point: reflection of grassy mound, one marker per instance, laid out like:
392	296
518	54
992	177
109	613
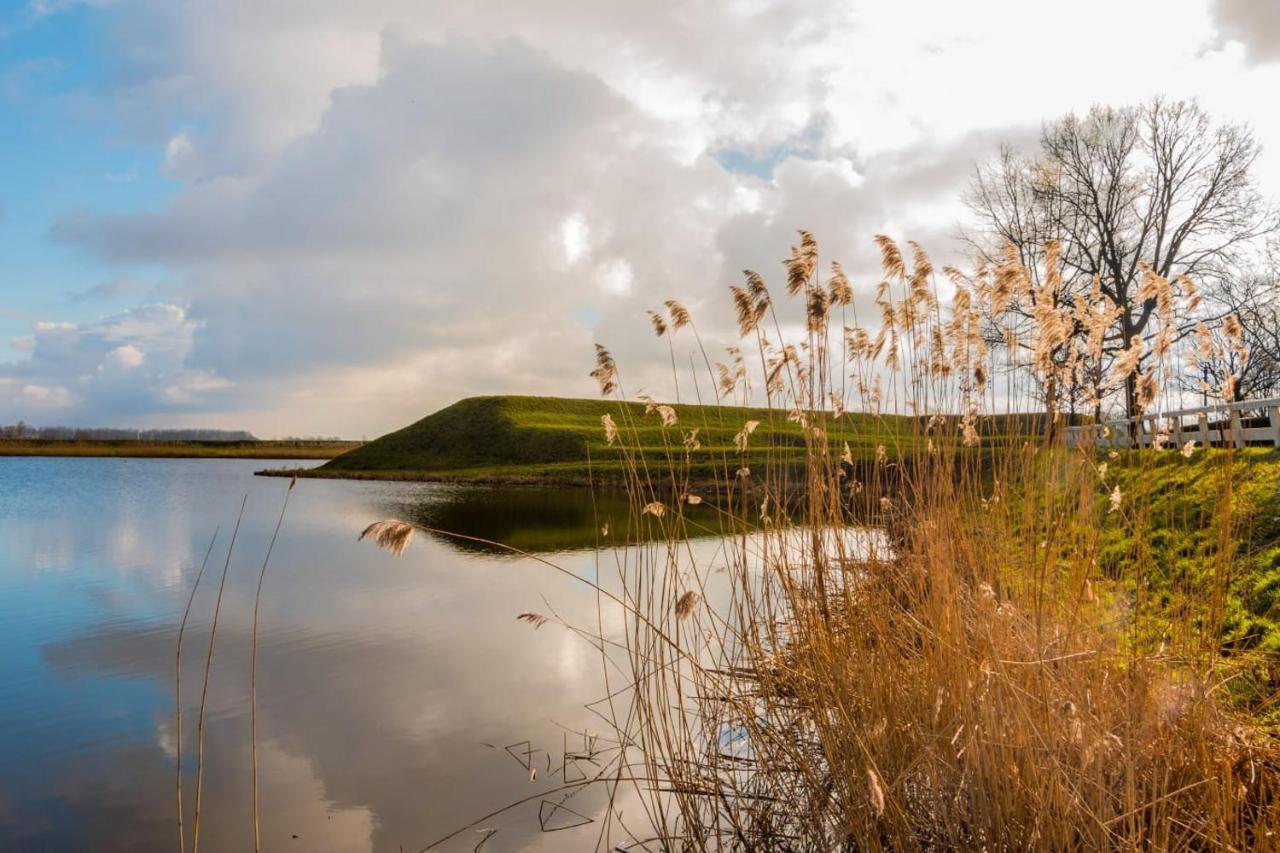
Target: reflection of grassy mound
535	519
555	439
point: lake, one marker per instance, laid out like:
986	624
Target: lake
389	688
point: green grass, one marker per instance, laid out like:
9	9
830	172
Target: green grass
1178	532
178	449
556	440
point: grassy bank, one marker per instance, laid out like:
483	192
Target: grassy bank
551	440
1202	523
179	449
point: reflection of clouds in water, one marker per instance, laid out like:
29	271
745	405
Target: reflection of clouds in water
50	550
167	738
105	513
290	784
384	677
575	660
381	679
387	727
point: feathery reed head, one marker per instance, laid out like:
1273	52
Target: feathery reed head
679	314
606	372
840	290
659	325
816	309
537	620
800	265
891	257
610	428
744	307
392	535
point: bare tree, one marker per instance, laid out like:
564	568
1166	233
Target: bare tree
1160	185
1249	369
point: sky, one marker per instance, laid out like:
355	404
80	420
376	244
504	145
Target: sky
331	218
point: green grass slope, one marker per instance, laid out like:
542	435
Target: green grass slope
1184	505
561	440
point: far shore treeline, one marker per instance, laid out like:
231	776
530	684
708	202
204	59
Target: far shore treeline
24	431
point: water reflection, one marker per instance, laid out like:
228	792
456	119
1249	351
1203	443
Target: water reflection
532	519
387	687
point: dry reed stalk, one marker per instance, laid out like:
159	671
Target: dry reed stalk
204	690
177	690
253	664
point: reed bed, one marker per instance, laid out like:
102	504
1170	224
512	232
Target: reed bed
941	647
977	678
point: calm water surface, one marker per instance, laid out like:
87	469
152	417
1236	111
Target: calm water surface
388	687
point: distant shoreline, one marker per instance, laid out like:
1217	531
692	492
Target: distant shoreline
575	477
300	449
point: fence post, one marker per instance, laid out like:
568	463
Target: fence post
1203	419
1275	425
1237	428
1177	432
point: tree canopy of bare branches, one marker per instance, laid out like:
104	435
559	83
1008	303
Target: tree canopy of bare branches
1159	187
1251	369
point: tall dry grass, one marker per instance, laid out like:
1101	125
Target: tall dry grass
963	674
969	681
960	674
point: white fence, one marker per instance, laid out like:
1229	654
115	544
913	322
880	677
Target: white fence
1238	424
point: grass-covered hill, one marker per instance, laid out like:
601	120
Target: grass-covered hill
551	439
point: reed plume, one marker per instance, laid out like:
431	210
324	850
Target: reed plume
390	534
606	371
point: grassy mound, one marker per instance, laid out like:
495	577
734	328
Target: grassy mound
558	439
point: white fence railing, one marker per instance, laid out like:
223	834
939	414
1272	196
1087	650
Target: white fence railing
1238	424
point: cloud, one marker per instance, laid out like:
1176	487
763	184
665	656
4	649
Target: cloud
44	396
114	288
685	65
472	219
116	369
1254	24
380	207
416	240
179	154
125	357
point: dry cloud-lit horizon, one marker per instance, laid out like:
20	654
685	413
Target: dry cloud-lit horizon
333	218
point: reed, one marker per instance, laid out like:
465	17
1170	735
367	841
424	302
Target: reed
253	666
208	671
177	691
954	644
983	675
